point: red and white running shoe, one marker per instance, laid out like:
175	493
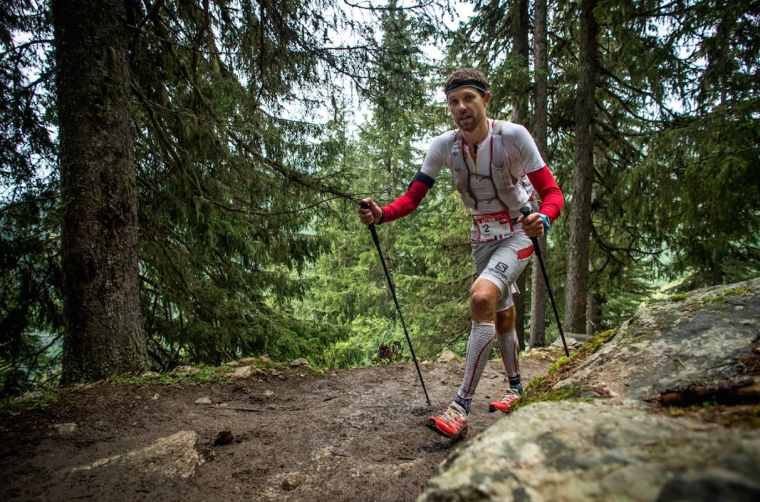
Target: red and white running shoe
452	423
505	404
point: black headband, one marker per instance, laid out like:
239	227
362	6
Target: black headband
479	86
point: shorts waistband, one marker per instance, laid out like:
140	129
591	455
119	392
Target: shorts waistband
495	215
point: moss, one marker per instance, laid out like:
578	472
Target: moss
205	374
678	297
540	394
34	401
726	293
540	388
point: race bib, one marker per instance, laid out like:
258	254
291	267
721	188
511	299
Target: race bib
491	227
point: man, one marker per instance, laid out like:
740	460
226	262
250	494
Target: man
489	161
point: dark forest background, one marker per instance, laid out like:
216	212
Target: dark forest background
179	178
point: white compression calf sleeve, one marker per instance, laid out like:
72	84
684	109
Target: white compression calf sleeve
509	346
478	349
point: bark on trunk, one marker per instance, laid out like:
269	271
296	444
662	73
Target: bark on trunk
520	55
593	313
580	213
104	332
538	291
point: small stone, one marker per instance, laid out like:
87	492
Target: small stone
203	400
268	394
242	372
185	370
448	356
265	359
299	363
155	397
150	374
292	481
248	361
302	375
65	428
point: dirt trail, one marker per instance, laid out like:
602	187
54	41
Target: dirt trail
348	435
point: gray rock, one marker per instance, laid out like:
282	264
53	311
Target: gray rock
242	372
65	428
292	480
203	400
174	456
299	363
617	448
577	451
675	345
447	356
185	370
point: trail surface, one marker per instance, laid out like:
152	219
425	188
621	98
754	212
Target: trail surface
348	435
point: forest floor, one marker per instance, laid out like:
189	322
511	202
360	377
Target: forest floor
293	434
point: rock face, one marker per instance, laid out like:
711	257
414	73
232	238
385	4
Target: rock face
704	346
702	341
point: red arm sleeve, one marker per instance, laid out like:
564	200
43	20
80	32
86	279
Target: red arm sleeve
409	201
552	199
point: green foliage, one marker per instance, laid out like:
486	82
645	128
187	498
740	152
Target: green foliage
198	375
37	400
248	170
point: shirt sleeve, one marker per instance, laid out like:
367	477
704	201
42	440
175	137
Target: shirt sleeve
435	159
437	155
552	199
530	157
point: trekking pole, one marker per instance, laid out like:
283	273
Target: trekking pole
373	231
525	212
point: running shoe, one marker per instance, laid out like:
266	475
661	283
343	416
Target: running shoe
505	404
452	423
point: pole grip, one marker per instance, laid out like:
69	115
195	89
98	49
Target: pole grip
525	210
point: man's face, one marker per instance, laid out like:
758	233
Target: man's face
468	107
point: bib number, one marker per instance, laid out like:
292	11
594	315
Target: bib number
491	227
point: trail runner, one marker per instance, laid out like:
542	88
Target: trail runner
489	160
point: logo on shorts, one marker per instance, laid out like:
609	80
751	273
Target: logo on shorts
501	268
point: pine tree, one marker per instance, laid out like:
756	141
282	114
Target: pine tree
104	332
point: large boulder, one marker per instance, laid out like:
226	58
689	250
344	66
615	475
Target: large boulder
579	451
704	345
701	342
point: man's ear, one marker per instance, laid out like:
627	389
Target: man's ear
487	97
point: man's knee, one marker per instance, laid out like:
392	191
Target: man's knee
483	299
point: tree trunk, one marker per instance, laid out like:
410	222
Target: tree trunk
593	313
104	332
583	177
520	55
540	61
